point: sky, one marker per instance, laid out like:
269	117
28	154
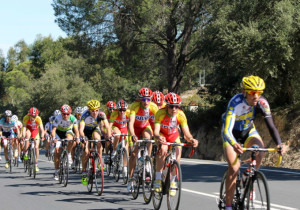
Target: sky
24	20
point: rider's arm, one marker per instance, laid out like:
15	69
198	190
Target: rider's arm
24	131
53	132
108	128
131	123
81	128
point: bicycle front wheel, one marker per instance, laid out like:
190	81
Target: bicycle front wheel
99	175
10	159
174	192
222	194
65	169
108	162
147	180
257	195
90	175
33	158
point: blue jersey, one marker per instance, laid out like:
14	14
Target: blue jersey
7	126
89	122
240	115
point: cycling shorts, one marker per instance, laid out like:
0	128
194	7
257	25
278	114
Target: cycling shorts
90	133
123	131
171	138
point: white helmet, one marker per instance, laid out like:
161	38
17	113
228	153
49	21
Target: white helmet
7	113
56	112
78	110
85	108
14	118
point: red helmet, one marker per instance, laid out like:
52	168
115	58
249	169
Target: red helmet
111	105
173	99
145	93
158	97
122	104
66	109
33	111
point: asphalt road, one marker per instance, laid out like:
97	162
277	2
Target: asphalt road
201	182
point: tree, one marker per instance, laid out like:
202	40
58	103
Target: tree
170	26
258	37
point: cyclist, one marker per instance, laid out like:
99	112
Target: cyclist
89	127
118	122
63	129
110	107
139	126
238	124
166	130
159	99
19	144
48	128
78	113
7	126
32	125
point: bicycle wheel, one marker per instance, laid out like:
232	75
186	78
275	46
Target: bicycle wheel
90	175
222	194
136	186
33	158
25	165
147	180
257	193
124	169
10	159
99	175
157	199
116	167
30	164
174	192
65	169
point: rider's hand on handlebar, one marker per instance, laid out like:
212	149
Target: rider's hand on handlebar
238	148
134	138
281	149
160	139
194	142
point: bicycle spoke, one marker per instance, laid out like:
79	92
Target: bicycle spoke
174	192
147	180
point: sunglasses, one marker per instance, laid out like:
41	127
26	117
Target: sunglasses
145	99
65	114
122	110
94	110
252	92
173	106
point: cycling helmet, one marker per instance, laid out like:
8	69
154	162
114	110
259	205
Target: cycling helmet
56	113
33	111
85	108
66	109
122	104
93	104
7	113
253	83
14	118
158	97
111	105
145	93
78	110
173	99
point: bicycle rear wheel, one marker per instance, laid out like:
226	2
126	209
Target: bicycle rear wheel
124	158
147	180
33	158
257	196
65	169
136	186
90	175
174	192
99	175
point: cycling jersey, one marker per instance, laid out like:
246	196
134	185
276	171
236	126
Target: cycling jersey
8	128
120	121
169	124
91	123
65	125
18	125
107	114
32	125
240	115
143	115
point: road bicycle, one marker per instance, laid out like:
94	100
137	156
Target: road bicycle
63	173
77	158
120	161
251	191
29	164
95	168
10	152
171	170
144	172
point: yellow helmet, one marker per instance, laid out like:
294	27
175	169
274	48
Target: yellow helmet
93	104
253	83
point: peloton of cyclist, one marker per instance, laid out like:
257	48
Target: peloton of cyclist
32	125
166	130
238	124
139	126
7	126
63	126
118	122
89	127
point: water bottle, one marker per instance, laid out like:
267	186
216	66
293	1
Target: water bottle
140	162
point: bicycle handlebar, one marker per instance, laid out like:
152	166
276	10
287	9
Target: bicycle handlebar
145	141
174	144
254	149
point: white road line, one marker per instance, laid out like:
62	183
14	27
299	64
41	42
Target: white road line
216	196
224	164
